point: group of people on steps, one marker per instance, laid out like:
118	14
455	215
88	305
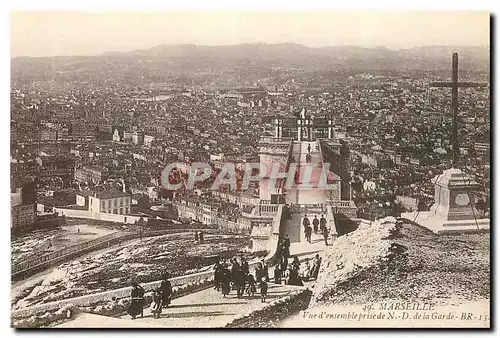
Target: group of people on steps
317	224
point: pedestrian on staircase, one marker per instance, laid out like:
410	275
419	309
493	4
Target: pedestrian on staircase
308	231
322	223
259	271
277	274
305	222
324	231
286	247
265	271
315	224
263	290
284	265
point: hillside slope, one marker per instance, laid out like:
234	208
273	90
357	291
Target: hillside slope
405	262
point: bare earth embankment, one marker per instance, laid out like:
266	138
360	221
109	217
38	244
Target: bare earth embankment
385	264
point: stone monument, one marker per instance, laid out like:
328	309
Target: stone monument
454	209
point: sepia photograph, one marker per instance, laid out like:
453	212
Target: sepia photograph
250	169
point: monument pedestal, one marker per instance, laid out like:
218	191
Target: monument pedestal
454	209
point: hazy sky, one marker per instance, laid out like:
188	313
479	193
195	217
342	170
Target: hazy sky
86	33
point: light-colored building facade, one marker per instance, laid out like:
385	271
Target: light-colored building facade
111	202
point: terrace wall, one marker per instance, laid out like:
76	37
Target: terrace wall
98	216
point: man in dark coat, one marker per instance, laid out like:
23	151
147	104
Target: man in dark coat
308	231
324	231
322	223
238	278
218	275
306	223
244	267
166	291
286	246
315	224
225	280
277	274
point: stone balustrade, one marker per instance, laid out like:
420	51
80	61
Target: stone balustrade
267	209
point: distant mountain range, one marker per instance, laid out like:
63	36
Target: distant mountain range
293	50
245	57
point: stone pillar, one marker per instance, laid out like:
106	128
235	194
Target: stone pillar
329	128
277	128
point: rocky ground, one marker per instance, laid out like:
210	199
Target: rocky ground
145	261
404	262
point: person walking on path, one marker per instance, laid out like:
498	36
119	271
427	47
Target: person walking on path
263	290
136	306
315	224
325	235
284	265
309	148
277	274
316	266
280	249
286	247
156	304
251	289
225	280
238	278
245	268
259	271
265	271
166	291
308	231
217	275
305	223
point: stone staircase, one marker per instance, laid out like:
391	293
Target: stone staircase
294	227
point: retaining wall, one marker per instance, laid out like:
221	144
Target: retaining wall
129	219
